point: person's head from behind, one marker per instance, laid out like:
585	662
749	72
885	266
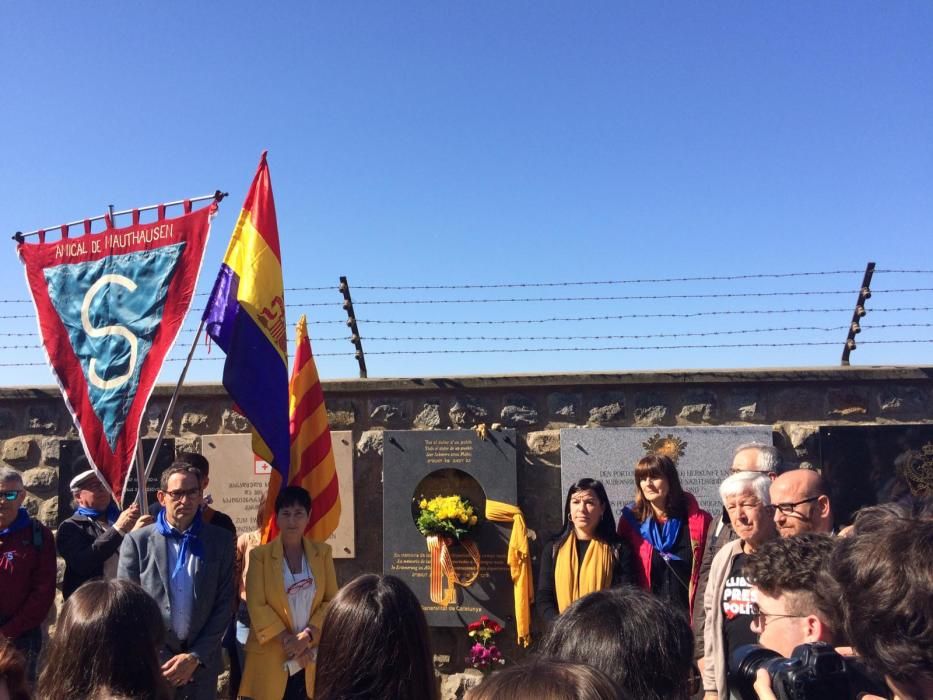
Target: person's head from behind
292	511
549	679
587	511
793	606
746	498
800	503
375	644
106	641
886	579
756	457
12	672
199	462
644	645
657	488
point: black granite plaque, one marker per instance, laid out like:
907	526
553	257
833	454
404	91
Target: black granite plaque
71	450
432	463
873	464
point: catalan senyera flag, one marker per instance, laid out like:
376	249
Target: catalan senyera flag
245	316
312	455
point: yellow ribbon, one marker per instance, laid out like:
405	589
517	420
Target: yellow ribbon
519	559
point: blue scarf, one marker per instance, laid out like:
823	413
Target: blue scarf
112	512
21	521
189	539
661	538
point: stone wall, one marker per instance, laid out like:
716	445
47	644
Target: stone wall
794	402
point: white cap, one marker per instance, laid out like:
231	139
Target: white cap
81	478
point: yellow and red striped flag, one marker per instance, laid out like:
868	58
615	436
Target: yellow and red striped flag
312	455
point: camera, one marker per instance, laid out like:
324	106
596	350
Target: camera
813	671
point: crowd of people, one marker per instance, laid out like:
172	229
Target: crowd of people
659	604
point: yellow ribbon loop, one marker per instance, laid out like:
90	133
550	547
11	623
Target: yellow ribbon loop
519	559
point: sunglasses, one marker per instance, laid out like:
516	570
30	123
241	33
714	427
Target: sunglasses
10	495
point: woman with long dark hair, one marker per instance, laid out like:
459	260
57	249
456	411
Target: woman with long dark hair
668	529
375	644
586	555
106	644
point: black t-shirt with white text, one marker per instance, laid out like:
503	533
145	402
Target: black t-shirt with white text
737	599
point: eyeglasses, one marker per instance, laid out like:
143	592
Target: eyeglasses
300	585
788	508
760	617
10	495
182	493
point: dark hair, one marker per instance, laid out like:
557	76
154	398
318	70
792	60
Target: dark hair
193	459
178	467
606	529
795	566
886	578
540	679
653	465
293	496
643	644
375	644
13	670
107	641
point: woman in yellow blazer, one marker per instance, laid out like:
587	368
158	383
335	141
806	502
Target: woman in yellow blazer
289	583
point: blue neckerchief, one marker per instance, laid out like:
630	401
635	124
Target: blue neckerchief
189	539
662	539
112	512
19	522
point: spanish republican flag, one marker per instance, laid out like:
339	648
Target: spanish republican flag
312	462
245	316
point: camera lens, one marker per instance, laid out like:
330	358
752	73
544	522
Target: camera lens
746	660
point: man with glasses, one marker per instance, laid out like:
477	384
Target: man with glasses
27	570
794	598
89	541
800	503
186	565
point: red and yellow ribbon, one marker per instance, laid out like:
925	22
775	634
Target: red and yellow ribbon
442	567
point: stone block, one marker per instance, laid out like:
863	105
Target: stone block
341	415
40	479
805	439
389	413
649	410
744	406
429	417
16	450
519	411
187	444
544	443
49	450
41	418
454	686
31	504
900	400
467	411
370	441
607	409
155	412
195	420
563	407
699	407
233	422
47	513
846	403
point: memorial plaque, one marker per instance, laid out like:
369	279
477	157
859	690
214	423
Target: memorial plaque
239	480
71	450
871	464
703	456
432	463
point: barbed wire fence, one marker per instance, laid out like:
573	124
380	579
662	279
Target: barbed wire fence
726	313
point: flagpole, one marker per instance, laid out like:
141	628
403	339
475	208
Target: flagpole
142	495
171	405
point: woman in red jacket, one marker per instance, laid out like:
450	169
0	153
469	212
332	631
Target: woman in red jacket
667	528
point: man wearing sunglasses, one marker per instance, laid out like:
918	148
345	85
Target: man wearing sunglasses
186	565
800	503
27	570
89	541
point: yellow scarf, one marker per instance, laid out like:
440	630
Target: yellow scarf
595	573
519	565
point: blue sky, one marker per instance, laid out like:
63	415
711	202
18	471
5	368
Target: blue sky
442	143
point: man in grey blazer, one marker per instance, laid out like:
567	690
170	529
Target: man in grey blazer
186	565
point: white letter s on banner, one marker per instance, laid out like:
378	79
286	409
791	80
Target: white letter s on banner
93	332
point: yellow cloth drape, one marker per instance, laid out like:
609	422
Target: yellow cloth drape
519	559
595	572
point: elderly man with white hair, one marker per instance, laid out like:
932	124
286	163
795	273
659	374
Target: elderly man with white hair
89	541
729	598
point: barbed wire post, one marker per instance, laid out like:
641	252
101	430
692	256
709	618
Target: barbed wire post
864	295
351	322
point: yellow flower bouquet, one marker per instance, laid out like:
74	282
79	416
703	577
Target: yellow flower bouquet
446	516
